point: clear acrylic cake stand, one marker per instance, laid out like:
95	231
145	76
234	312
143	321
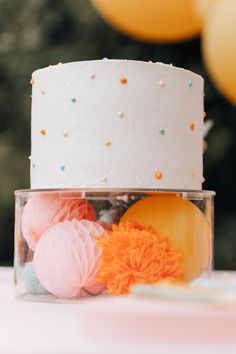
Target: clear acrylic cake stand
190	213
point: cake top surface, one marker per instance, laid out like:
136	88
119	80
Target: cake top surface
105	61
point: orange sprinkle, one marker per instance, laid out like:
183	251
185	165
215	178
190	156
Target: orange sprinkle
204	115
192	126
205	145
43	131
158	175
123	80
32	81
42	92
134	254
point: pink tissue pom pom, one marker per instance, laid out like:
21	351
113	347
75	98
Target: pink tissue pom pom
45	210
66	259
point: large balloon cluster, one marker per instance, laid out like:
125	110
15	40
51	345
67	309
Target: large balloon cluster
167	21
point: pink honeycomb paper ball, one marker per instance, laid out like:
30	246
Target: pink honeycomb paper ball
45	210
66	259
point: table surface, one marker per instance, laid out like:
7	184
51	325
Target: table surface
32	327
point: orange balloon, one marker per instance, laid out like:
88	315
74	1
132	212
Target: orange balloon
152	20
203	7
219	46
183	223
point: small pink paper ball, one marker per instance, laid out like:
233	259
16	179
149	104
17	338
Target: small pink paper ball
45	210
66	259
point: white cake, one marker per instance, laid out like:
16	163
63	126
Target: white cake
116	124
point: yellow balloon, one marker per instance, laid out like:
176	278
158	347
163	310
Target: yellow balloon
203	7
152	20
183	223
219	47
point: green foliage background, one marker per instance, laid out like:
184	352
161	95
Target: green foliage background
36	33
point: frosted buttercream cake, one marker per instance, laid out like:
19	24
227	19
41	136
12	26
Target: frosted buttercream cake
116	124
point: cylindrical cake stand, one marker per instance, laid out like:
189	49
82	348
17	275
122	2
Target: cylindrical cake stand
75	243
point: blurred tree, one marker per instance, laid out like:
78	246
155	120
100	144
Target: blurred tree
34	34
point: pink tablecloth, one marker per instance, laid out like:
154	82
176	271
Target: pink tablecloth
31	327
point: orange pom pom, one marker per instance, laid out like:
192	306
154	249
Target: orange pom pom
135	254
